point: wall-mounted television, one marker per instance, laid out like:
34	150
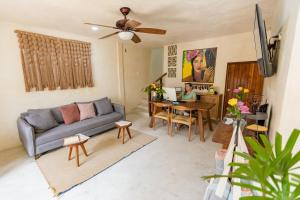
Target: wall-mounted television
266	53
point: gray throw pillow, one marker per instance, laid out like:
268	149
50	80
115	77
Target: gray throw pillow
57	115
103	106
55	112
41	120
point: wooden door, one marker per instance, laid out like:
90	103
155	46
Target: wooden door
245	74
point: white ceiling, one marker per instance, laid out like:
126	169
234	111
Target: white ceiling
184	20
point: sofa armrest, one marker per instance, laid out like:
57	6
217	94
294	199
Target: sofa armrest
120	109
27	137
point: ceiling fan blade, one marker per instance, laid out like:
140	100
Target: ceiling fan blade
151	30
132	24
101	25
106	36
136	39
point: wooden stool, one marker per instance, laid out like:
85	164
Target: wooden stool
76	141
122	125
257	129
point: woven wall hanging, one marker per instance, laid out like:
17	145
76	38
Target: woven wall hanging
54	63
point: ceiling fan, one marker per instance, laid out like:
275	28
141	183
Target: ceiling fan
127	28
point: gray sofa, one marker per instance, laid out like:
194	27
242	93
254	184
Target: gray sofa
36	143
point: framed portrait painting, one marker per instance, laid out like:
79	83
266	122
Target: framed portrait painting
199	65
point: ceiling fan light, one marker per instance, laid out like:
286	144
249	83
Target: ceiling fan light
125	35
95	28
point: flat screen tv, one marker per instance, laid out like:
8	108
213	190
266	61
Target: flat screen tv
261	44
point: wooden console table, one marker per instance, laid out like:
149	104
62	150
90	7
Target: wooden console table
215	112
223	134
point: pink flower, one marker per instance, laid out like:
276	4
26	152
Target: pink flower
193	53
240	103
236	90
244	109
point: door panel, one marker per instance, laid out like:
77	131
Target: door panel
245	74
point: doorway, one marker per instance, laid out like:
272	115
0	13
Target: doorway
156	63
244	74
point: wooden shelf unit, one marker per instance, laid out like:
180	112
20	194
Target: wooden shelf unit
215	112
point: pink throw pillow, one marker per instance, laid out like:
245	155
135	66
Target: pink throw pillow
70	113
86	110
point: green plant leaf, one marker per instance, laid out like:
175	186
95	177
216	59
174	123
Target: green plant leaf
214	176
260	152
267	145
278	143
256	198
292	140
252	187
295	159
296	192
285	187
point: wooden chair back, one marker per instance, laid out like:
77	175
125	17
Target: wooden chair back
183	108
158	105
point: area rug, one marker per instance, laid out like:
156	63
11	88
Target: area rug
103	151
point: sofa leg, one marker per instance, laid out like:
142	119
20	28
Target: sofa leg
37	156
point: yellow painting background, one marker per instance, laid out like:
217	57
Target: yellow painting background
187	65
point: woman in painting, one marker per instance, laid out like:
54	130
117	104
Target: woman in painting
201	72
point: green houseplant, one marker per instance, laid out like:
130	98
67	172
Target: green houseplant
273	168
159	91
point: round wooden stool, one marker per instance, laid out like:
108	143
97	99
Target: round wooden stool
257	129
75	142
122	125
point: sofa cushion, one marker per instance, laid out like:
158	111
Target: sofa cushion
64	130
70	113
103	106
42	120
57	114
86	110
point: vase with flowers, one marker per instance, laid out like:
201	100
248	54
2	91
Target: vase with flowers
237	108
157	89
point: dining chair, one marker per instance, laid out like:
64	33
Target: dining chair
161	111
182	119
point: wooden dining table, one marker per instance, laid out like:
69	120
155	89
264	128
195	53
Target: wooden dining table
196	106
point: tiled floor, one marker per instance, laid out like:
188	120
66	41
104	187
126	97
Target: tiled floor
170	168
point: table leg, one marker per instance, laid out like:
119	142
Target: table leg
123	135
152	118
151	122
70	152
209	120
77	155
128	131
200	126
119	133
83	149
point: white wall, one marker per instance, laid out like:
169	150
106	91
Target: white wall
15	100
231	48
156	63
136	74
282	90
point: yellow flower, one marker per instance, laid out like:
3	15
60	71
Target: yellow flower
241	88
232	101
246	90
153	85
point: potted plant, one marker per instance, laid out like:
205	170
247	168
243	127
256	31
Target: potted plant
157	89
270	173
